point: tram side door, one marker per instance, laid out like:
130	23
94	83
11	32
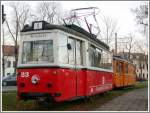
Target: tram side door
80	77
121	79
71	80
75	58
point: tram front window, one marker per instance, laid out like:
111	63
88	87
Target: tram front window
37	51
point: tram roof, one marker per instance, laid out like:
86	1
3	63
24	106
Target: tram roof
121	59
72	29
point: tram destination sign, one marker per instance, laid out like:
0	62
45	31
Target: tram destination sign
38	25
39	35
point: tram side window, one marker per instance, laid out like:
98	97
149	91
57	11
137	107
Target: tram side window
97	58
71	51
98	55
92	56
67	54
126	68
26	55
79	52
119	70
62	50
106	60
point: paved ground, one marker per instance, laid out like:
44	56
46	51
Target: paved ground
8	88
136	100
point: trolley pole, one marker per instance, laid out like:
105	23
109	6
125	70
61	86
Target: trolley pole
115	43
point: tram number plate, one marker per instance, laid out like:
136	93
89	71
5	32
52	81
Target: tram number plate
24	74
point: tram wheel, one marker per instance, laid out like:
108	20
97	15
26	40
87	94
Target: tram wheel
47	102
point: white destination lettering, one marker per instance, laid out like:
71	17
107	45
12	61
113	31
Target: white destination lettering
38	35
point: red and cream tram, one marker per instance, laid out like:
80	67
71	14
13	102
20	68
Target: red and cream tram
62	62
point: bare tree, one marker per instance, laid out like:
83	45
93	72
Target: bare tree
50	12
129	45
141	47
19	17
109	28
141	16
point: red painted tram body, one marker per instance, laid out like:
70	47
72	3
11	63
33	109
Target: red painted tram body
62	63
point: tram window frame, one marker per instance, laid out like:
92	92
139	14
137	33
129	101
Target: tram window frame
91	51
99	57
106	60
75	50
79	52
63	57
50	58
119	68
95	56
71	52
127	70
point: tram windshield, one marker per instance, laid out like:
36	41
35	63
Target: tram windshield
37	51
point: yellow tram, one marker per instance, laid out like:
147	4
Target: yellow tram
124	73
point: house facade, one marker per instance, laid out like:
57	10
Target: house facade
8	59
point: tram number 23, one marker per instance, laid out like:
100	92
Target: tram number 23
24	74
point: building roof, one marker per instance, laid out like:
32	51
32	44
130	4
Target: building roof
134	56
8	50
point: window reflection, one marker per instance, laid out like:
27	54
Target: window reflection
37	51
78	52
71	51
99	58
91	55
62	50
67	56
106	60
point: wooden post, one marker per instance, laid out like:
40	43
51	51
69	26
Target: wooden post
115	43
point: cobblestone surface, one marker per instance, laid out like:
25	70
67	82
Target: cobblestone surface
136	100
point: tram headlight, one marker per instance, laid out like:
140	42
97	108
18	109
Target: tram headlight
34	79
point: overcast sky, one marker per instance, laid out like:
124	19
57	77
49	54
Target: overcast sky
119	10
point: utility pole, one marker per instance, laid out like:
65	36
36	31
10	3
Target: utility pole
115	43
3	14
3	20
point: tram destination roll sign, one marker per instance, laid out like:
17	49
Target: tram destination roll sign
41	35
38	25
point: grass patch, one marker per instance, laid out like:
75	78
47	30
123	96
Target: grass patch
141	85
9	102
